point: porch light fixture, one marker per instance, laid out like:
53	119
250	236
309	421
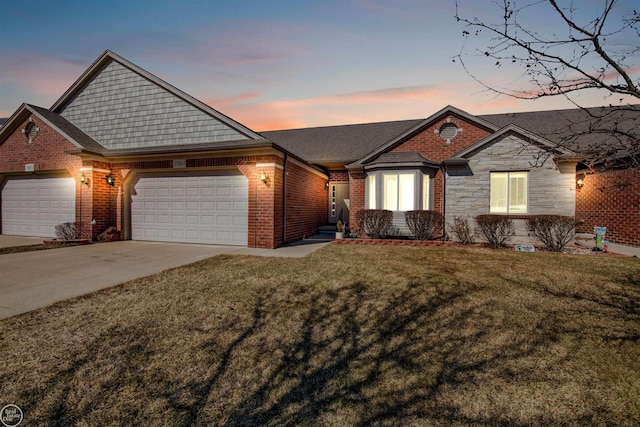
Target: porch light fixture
580	181
326	185
263	177
84	180
111	180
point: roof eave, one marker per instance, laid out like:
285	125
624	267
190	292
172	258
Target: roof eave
455	161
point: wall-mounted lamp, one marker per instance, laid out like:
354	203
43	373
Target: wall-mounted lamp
111	180
580	180
264	177
84	180
326	185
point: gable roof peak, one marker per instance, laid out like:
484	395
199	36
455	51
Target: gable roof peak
109	56
522	133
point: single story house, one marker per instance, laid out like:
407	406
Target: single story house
123	148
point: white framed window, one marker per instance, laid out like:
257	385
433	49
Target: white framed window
371	192
426	192
508	192
398	190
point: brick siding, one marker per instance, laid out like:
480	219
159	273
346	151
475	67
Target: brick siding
46	152
611	199
307	202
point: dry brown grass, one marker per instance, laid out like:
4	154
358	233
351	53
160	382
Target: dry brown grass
25	248
351	335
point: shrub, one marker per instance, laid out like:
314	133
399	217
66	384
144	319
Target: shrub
554	231
495	229
68	231
461	230
423	224
376	223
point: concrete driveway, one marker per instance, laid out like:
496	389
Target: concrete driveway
32	280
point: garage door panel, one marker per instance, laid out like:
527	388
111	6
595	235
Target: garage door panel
34	206
198	209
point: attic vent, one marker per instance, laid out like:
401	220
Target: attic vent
448	131
30	130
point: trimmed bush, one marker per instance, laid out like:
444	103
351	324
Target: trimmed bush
495	229
424	224
462	230
554	231
376	223
68	231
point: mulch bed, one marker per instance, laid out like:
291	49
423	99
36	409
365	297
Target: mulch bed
571	250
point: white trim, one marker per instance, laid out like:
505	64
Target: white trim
269	165
92	169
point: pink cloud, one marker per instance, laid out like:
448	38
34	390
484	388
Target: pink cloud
356	107
35	78
43	74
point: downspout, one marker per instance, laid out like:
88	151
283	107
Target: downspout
444	201
284	199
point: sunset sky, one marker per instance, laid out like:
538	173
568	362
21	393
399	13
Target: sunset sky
269	64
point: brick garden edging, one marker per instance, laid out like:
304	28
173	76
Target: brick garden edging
398	242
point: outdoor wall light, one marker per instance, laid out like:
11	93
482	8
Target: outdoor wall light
111	180
263	177
84	180
326	185
580	183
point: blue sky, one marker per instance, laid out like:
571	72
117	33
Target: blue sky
268	64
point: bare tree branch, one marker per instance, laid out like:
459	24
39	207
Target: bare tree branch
601	51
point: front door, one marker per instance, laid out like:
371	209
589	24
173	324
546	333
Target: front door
339	202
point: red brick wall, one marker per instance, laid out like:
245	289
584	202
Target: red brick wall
431	146
307	202
47	154
357	194
339	176
611	199
46	151
104	199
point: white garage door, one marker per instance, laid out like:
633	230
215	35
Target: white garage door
34	206
209	209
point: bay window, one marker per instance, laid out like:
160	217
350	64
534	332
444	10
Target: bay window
398	190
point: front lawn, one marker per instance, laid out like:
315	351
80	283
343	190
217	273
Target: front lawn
350	335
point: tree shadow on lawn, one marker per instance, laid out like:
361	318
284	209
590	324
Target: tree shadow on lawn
351	363
434	353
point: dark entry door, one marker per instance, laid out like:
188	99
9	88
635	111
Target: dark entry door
339	202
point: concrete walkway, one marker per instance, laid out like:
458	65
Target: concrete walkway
32	280
588	241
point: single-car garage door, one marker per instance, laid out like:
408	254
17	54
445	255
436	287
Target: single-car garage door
34	206
209	209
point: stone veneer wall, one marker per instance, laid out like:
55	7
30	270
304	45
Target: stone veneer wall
552	187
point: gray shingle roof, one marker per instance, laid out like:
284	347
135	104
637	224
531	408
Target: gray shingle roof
338	144
69	130
412	158
581	130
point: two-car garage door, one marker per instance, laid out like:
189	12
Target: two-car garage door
209	209
33	206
